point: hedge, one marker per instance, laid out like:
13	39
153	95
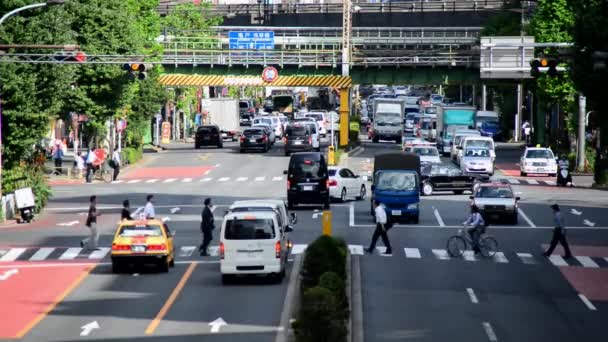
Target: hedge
324	305
131	155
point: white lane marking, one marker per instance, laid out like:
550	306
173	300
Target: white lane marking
133	181
13	254
526	258
469	256
587	261
316	215
68	224
558	260
441	254
214	250
532	181
208	179
382	250
298	249
70	253
154	180
170	180
550	182
186	251
513	181
100	253
224	179
242	179
526	218
412	253
186	180
489	331
438	217
278	178
500	257
356	249
351	214
472	295
260	179
587	302
113	182
42	254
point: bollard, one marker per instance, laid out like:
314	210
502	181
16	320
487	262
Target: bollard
326	222
331	156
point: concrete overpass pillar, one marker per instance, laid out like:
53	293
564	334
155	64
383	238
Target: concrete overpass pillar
484	95
474	96
461	94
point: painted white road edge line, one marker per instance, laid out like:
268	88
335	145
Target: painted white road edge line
438	217
472	296
489	331
587	302
526	218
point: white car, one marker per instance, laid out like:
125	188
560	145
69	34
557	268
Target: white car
253	243
428	153
344	184
273	121
496	201
476	141
477	160
322	122
457	138
538	160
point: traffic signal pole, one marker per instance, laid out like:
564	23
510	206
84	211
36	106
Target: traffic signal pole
580	155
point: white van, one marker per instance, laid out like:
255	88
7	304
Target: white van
457	137
475	141
276	205
253	243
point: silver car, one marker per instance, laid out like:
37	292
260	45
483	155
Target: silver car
496	201
477	160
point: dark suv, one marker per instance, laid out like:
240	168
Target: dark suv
298	137
255	138
307	179
208	135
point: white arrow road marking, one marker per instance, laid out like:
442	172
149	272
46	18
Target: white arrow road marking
87	328
68	224
589	223
576	212
186	251
217	324
174	210
8	274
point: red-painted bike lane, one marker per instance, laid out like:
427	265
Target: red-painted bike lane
28	294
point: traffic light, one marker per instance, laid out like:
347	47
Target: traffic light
535	64
142	68
552	72
548	64
71	56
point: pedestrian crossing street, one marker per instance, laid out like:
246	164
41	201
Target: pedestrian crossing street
243	179
76	253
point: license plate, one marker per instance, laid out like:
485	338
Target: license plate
252	140
298	143
206	138
396	212
224	135
540	169
138	249
307	187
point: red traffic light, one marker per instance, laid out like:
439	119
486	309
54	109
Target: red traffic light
80	57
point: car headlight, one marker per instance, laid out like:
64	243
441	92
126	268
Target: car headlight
413	206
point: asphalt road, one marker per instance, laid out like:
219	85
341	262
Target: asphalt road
415	294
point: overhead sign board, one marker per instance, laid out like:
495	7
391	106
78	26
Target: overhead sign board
251	40
506	57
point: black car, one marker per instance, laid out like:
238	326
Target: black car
245	120
447	177
298	137
307	179
208	135
255	138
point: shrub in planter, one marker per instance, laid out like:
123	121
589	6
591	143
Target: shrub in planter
333	282
320	318
131	155
325	254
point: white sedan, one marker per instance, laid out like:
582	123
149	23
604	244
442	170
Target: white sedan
538	161
344	184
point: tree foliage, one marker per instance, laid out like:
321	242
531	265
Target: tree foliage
190	19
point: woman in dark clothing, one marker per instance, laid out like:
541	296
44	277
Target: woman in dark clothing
126	211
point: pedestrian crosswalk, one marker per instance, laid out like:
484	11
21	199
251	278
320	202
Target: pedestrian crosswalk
240	179
38	254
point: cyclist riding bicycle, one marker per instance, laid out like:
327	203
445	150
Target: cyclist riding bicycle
477	227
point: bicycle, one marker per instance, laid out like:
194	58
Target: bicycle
460	242
103	172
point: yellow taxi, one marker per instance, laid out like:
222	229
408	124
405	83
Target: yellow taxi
143	242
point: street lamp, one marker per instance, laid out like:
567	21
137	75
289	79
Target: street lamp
2	20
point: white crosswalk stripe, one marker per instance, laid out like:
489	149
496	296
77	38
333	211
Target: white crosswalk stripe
557	260
526	258
298	249
99	254
152	180
242	179
13	254
169	180
441	254
133	181
356	249
224	179
500	257
42	254
186	180
277	178
118	181
259	179
382	250
186	251
469	256
513	181
587	261
70	253
412	253
208	179
532	181
550	182
214	250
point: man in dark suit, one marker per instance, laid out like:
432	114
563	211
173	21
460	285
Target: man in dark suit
207	226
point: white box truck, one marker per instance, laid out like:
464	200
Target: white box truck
223	112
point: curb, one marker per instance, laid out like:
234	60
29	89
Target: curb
355	301
291	304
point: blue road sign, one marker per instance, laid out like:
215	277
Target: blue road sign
251	40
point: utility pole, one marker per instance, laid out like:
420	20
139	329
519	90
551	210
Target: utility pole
580	155
347	29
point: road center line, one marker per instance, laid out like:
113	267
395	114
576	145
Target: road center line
472	296
438	217
526	218
489	331
587	302
163	311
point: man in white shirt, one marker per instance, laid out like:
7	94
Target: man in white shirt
91	159
381	229
149	212
116	164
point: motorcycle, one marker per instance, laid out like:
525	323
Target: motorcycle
25	202
564	178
